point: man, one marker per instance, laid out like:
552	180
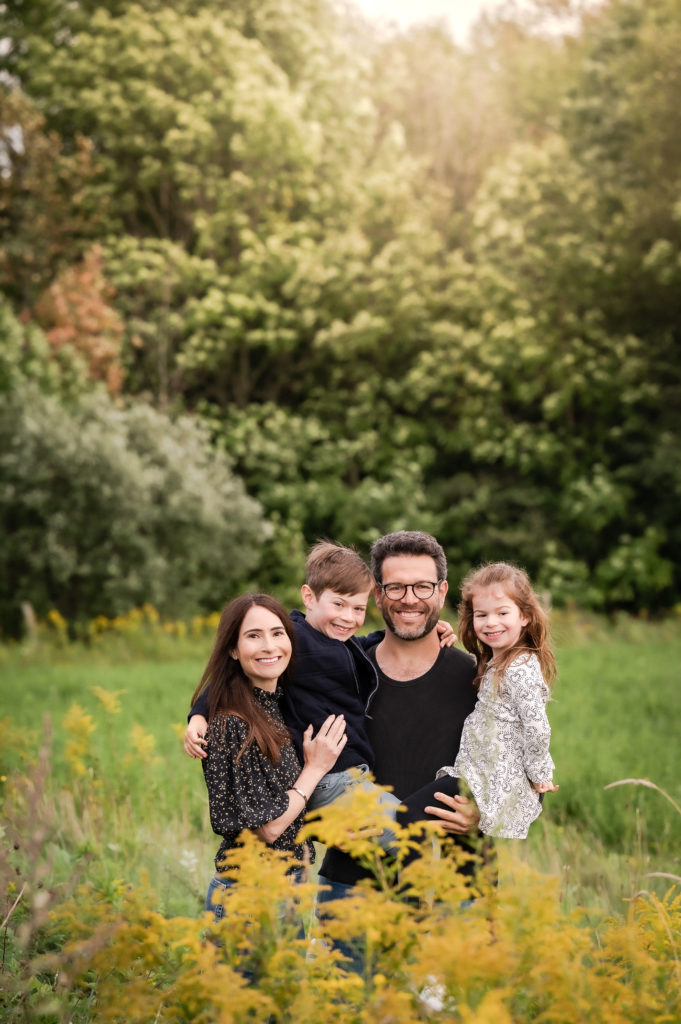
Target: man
424	695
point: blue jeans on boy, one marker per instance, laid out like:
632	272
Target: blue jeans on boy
217	890
335	784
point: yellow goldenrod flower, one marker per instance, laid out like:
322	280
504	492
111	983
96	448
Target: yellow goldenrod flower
108	699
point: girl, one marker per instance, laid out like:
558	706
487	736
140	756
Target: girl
252	771
504	753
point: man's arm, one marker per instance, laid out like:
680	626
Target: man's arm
457	814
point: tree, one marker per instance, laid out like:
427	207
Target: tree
75	312
544	407
404	283
51	204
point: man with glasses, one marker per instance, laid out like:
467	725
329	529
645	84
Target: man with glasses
424	695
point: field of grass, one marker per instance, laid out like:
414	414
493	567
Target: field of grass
128	803
96	790
615	716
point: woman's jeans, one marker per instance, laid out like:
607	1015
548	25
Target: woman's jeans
353	952
217	890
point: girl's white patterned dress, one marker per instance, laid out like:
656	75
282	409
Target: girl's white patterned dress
505	747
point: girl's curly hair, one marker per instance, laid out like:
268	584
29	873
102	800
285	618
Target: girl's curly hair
534	637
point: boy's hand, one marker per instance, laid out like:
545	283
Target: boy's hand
446	634
544	787
194	736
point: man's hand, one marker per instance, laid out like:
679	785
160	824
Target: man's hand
445	634
194	736
460	815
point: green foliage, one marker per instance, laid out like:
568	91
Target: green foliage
424	286
156	282
198	129
315	484
26	355
104	507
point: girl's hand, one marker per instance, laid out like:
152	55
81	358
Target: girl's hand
194	736
544	787
322	751
446	634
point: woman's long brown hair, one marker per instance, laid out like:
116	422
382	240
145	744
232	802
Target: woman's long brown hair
534	637
229	689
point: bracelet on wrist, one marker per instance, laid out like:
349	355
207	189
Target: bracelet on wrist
300	793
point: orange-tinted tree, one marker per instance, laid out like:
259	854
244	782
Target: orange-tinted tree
75	311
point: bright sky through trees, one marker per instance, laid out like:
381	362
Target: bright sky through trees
459	14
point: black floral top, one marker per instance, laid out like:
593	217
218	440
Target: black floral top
248	792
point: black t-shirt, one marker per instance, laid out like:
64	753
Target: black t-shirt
415	728
415	725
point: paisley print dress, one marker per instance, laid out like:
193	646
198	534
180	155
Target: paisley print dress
505	747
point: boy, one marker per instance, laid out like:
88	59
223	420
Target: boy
332	675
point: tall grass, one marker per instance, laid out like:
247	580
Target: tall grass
96	790
615	715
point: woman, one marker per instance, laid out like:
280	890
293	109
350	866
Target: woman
252	771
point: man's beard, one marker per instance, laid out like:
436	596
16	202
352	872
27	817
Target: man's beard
411	633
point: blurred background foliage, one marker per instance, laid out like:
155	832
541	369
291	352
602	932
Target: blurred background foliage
270	273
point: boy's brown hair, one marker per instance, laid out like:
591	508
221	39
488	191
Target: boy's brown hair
335	567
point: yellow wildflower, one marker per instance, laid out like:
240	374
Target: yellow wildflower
108	698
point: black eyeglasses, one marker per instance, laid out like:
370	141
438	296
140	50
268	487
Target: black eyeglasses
422	590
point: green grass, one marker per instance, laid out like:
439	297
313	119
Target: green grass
136	809
134	812
617	715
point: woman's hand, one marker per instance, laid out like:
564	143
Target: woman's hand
320	756
194	736
321	753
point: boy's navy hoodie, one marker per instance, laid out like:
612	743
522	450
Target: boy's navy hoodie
329	677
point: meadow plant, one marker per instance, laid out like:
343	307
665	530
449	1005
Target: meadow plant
513	955
139	633
79	727
105	853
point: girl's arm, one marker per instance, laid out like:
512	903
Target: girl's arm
529	693
321	754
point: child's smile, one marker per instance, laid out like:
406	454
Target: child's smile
497	620
338	616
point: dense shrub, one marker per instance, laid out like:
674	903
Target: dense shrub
104	507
